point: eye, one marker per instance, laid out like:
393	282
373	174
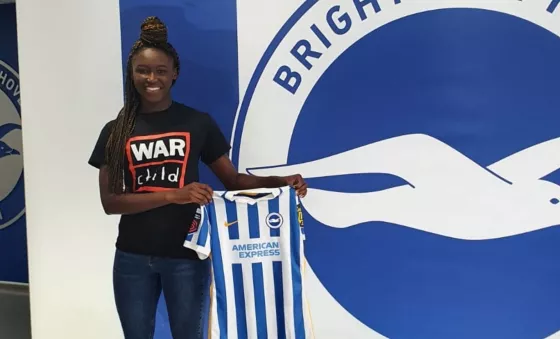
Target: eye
554	201
162	71
141	70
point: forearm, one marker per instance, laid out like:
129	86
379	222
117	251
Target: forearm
245	182
133	203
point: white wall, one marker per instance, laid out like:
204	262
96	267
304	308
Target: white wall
70	62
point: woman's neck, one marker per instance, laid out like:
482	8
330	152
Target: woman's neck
146	108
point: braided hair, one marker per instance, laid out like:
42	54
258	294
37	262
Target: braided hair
153	35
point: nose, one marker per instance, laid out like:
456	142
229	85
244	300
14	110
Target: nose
151	77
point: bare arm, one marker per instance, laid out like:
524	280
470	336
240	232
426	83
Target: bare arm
133	203
128	203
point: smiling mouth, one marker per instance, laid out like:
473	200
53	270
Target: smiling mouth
152	89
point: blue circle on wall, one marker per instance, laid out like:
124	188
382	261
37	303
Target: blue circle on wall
486	84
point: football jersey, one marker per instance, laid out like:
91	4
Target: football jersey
255	240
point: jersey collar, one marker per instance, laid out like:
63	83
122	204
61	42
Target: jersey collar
272	194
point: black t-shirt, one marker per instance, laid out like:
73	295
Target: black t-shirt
163	152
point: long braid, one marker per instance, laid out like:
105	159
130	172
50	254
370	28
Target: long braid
153	35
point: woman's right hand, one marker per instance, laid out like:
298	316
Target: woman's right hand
192	193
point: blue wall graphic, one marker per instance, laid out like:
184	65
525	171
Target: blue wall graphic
485	96
478	86
13	242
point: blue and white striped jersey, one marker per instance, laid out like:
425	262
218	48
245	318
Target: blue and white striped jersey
255	239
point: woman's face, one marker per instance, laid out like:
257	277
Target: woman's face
153	73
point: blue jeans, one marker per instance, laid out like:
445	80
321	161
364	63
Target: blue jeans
138	281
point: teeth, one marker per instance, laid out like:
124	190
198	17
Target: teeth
152	89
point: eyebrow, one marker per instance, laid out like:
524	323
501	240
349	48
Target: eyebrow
145	65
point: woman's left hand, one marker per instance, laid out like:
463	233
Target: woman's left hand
297	182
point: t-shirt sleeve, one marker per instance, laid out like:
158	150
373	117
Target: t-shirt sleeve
198	237
97	157
215	143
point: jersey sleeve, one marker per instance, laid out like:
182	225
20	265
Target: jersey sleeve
198	237
215	143
97	157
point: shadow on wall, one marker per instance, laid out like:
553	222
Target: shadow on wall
15	320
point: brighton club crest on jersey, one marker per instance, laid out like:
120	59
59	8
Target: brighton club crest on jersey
428	135
11	158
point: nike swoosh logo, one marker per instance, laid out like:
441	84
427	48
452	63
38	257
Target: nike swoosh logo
228	224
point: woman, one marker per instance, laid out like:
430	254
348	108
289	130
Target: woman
148	160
